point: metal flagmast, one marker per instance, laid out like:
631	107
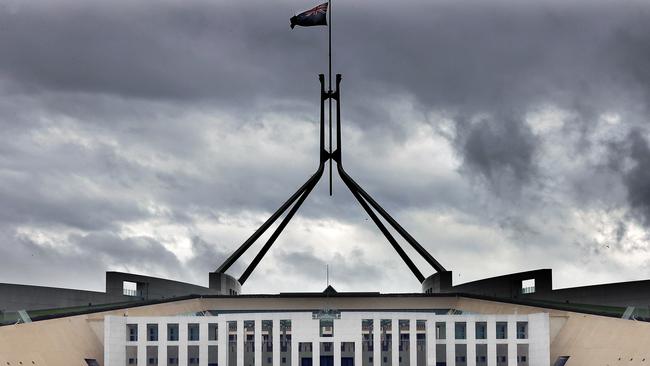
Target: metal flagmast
291	206
329	31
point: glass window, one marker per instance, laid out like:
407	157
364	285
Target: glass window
326	328
172	332
522	330
528	286
461	354
213	331
132	332
461	330
152	332
481	355
502	355
502	330
440	330
481	330
193	332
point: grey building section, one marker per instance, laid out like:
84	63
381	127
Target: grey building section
25	297
513	286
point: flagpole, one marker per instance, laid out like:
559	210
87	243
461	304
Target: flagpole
329	31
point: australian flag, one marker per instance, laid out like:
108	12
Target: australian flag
311	17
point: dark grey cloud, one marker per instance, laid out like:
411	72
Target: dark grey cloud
501	150
170	131
637	178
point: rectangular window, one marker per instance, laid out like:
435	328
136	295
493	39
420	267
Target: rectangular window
386	337
129	288
213	355
193	355
172	355
522	330
326	327
132	332
421	339
285	341
152	355
267	341
461	354
172	332
481	355
131	355
152	332
502	355
367	340
213	331
481	330
502	330
441	353
461	330
232	344
441	330
522	355
528	286
193	332
249	342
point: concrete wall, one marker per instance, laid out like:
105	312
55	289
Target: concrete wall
17	297
25	297
151	288
622	294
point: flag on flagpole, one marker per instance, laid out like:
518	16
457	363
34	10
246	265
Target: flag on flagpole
311	17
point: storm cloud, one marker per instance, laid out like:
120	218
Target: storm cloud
154	137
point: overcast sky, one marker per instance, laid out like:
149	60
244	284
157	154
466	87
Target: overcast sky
155	136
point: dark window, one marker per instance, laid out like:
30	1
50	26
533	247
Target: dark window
90	362
502	330
284	360
192	332
561	361
460	330
481	330
522	330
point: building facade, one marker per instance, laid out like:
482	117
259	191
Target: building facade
328	338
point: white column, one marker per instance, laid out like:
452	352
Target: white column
376	342
142	342
182	341
471	341
114	340
295	352
492	339
450	341
240	342
413	341
512	340
431	341
276	342
203	344
315	351
258	342
222	342
538	339
395	341
162	342
358	351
